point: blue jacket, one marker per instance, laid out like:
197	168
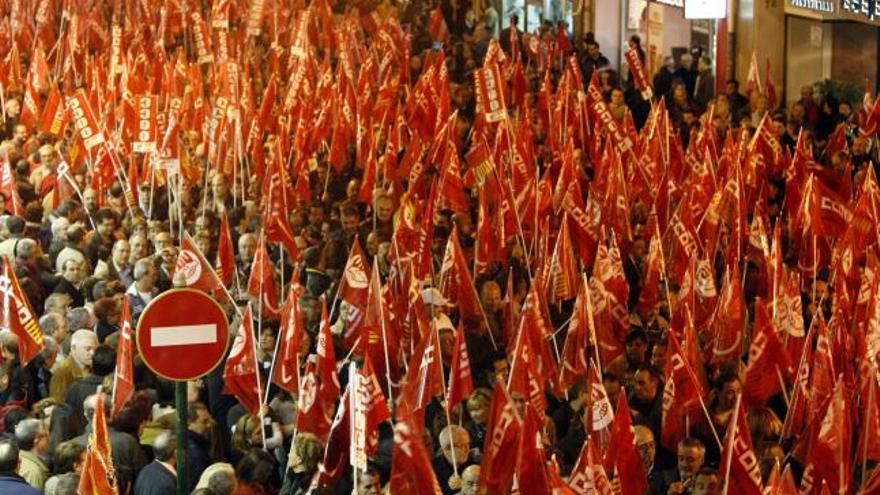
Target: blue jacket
13	484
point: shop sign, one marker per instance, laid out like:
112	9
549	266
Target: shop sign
671	3
824	6
705	9
865	9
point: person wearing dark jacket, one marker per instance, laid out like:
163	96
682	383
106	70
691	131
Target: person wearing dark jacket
10	482
71	276
160	476
198	446
103	364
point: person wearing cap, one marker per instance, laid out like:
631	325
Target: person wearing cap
625	365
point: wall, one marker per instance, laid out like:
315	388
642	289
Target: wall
808	46
760	28
606	26
854	52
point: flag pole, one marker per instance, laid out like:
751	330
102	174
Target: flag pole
384	336
734	422
448	416
871	388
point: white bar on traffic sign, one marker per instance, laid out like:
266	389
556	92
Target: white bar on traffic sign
183	335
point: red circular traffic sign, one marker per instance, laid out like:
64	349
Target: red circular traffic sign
182	334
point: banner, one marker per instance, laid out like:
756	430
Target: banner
84	121
145	134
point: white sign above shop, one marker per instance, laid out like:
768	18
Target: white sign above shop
705	9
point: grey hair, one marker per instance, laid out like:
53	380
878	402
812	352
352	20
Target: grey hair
222	481
52	300
142	267
163	446
26	432
91	403
447	432
49	347
50	322
78	318
68	484
25	248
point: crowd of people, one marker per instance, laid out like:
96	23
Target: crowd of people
455	258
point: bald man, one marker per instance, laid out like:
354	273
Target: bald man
76	366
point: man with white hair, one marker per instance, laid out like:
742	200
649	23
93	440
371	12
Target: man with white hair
143	289
76	366
33	442
455	443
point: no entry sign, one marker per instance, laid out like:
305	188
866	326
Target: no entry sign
182	334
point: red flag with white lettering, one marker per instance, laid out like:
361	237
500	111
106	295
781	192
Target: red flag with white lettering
500	447
623	454
738	457
18	317
240	373
461	383
767	360
123	379
531	466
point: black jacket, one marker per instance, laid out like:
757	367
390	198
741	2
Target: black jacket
155	479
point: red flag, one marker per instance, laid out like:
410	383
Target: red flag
767	360
326	354
437	26
730	319
9	189
588	474
354	290
623	453
53	115
240	373
829	459
738	457
30	105
680	390
563	266
781	482
574	361
261	284
461	383
371	405
411	469
98	477
18	316
196	269
225	253
455	281
338	446
753	79
490	93
123	379
286	371
531	466
500	448
424	379
275	210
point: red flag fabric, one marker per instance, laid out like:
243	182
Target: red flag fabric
240	373
738	457
53	114
767	360
18	316
829	459
531	466
411	469
455	280
588	474
261	284
437	26
9	189
338	445
326	358
500	448
98	476
680	390
286	369
574	361
354	290
424	379
730	319
225	253
197	272
371	404
461	383
623	453
123	380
